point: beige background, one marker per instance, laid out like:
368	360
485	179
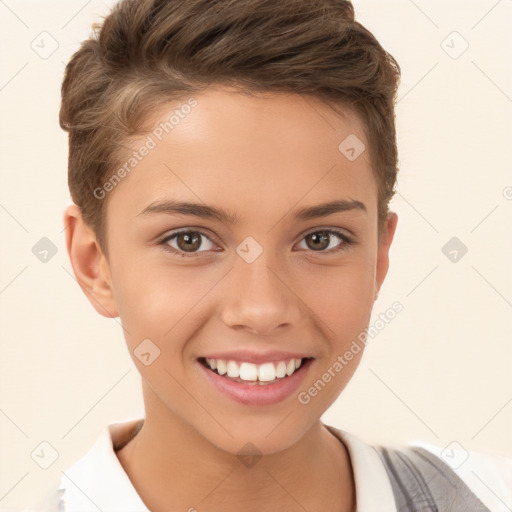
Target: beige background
439	372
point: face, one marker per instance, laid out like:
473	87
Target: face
273	280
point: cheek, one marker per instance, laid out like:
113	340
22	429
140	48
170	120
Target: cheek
341	296
160	302
342	300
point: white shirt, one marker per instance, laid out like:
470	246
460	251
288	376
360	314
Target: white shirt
98	481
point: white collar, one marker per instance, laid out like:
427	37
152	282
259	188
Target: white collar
373	488
98	481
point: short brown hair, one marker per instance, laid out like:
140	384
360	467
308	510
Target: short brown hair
149	52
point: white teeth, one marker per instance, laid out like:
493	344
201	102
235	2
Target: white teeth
221	366
233	369
248	371
265	372
281	369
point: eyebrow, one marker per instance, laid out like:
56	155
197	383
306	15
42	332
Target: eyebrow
172	207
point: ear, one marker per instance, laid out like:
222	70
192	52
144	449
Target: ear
89	264
383	251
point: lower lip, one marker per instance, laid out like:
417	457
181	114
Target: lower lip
257	394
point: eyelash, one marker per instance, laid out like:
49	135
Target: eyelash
343	247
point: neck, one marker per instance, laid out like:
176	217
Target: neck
170	462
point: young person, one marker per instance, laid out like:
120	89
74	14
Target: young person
231	164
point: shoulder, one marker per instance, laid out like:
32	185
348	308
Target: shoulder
488	475
97	480
425	475
451	476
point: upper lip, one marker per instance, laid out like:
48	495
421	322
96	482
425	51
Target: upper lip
256	357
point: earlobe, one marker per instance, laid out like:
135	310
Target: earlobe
89	264
383	251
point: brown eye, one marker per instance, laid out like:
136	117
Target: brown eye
190	241
318	240
187	243
322	241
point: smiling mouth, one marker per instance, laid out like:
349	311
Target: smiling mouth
248	373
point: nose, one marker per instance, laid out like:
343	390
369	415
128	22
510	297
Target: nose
259	299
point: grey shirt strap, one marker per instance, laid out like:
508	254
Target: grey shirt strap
422	482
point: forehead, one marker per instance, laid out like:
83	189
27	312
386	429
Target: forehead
258	150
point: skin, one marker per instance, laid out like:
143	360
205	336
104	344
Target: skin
260	158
